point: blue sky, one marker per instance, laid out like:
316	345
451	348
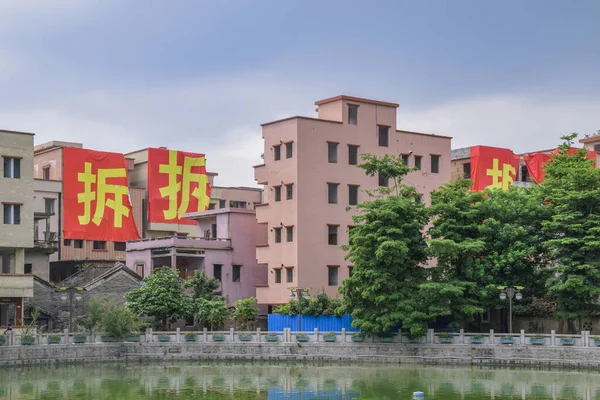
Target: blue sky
202	75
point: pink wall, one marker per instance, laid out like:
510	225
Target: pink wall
310	171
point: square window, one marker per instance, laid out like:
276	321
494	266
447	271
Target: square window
333	275
332	152
435	164
353	195
217	271
277	152
405	159
78	244
289	275
383	180
120	246
139	268
212	206
67	242
28	268
418	162
383	135
352	154
12	167
46	173
289	149
352	114
332	231
467	170
277	235
278	275
236	275
12	214
49	205
289	191
222	203
99	245
277	190
289	233
332	193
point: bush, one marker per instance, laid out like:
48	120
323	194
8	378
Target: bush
119	321
191	334
244	312
445	335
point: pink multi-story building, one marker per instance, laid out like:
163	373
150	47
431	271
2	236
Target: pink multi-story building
310	178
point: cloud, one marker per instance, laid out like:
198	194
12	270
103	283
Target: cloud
521	122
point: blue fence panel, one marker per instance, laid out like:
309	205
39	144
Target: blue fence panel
305	323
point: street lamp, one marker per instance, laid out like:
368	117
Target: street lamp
70	293
510	292
299	293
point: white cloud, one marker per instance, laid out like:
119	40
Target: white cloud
520	122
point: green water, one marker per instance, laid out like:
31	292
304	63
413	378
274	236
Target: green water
269	381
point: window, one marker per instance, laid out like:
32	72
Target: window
277	152
12	214
237	204
332	150
289	149
383	179
12	167
332	193
418	162
277	235
212	206
213	231
78	244
405	159
332	231
222	203
67	242
485	316
277	190
237	273
353	195
278	275
383	135
467	170
435	164
289	191
120	246
49	205
99	245
352	154
28	268
139	268
333	275
352	114
350	268
289	233
46	173
289	275
217	271
525	174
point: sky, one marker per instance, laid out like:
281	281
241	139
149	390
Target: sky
201	76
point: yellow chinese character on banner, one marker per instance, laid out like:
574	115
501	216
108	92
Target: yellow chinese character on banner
171	191
99	195
501	178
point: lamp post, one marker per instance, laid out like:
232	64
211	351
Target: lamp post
70	293
510	292
299	293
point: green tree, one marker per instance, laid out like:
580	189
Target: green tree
119	321
203	287
161	297
571	192
388	252
94	313
212	312
244	312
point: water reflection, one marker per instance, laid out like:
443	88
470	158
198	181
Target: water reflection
289	381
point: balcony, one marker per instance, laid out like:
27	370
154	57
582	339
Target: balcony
13	285
260	174
179	242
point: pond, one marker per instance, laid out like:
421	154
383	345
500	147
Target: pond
271	381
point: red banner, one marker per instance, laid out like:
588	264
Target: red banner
493	167
535	162
96	196
177	184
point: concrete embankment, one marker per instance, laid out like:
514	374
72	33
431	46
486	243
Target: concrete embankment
509	355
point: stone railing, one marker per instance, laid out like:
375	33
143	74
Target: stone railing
584	339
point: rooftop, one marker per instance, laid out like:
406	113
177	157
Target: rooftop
356	99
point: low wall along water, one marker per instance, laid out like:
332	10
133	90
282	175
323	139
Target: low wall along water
581	351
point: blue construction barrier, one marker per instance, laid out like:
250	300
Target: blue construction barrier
296	323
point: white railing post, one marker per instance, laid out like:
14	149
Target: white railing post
492	339
431	336
553	338
316	334
462	336
205	335
583	341
343	335
66	336
258	335
522	336
177	335
149	335
231	335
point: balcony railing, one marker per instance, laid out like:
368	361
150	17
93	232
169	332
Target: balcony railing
179	241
